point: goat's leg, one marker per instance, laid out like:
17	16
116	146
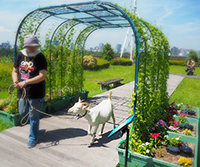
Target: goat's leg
94	134
101	132
113	117
89	130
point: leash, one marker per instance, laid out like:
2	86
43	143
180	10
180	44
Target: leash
33	108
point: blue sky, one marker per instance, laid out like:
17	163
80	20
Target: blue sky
179	19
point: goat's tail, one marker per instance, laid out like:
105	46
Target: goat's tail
110	95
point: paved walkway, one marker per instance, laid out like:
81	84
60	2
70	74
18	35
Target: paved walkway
64	142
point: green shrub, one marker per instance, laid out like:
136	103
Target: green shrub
89	62
5	76
177	62
108	52
102	64
121	61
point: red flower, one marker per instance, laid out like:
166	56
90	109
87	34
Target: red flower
159	140
155	135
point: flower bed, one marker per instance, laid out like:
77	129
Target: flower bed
135	159
166	133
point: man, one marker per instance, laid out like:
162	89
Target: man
191	66
29	72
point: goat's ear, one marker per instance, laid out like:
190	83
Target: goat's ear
79	100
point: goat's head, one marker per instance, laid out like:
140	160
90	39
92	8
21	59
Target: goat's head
78	107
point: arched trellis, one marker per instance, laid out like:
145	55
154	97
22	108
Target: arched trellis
101	15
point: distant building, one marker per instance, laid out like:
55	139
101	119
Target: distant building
101	45
174	51
91	49
96	49
5	45
118	48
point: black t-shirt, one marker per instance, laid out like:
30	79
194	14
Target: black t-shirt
37	63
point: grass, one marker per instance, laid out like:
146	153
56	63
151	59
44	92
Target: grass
93	77
187	92
181	70
4	126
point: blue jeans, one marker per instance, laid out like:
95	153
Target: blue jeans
34	115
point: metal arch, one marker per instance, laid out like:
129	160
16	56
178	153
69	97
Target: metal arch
68	31
106	4
41	23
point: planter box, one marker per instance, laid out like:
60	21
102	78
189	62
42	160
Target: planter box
14	119
196	109
58	105
135	159
66	102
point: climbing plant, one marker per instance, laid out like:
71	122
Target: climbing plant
152	96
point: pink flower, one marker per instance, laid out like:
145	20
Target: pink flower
191	106
174	126
153	128
186	107
178	122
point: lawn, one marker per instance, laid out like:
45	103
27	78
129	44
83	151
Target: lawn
93	77
188	91
181	70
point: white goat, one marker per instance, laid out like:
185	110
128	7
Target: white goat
95	116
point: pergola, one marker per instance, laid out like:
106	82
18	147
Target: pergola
97	14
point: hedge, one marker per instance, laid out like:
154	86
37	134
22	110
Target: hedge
102	64
121	61
177	62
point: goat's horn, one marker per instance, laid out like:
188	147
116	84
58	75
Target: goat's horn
79	99
82	100
85	103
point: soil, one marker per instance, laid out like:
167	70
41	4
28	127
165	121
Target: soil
173	158
193	131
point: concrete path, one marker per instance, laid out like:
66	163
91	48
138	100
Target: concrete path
64	142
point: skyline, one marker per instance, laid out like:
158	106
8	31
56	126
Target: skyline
180	20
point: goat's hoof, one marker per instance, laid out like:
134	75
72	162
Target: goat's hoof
100	134
90	134
91	144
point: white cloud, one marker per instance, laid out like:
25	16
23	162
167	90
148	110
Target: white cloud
3	29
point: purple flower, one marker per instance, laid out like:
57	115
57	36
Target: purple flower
153	128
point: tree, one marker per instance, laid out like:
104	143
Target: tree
193	55
108	52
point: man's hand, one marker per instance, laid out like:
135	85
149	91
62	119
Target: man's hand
20	85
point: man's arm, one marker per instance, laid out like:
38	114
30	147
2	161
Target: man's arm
15	77
188	64
41	77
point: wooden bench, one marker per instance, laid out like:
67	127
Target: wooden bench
115	82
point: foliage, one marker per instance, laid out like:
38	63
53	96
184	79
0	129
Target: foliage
182	119
187	132
175	141
102	64
89	62
177	62
108	52
121	61
6	52
193	55
12	106
5	76
160	151
4	126
185	161
152	96
136	145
